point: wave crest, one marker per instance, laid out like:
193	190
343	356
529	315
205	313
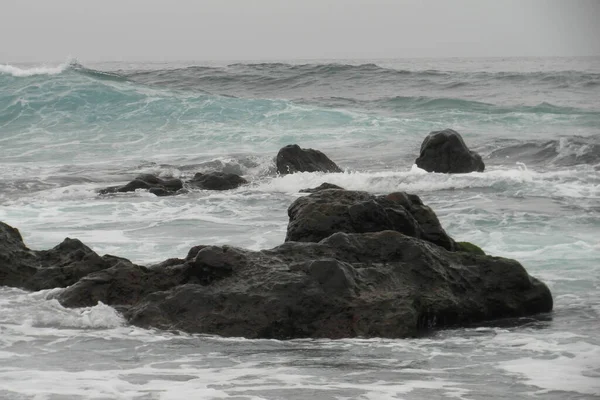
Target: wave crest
19	72
565	151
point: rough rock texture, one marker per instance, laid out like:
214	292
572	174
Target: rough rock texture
323	213
322	186
383	284
61	266
292	158
154	184
217	181
373	283
446	152
469	248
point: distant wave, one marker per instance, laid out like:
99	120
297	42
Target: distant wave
566	151
238	92
277	73
424	103
33	71
225	103
71	65
249	71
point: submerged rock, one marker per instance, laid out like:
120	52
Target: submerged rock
322	186
323	213
217	181
292	158
446	152
154	184
350	276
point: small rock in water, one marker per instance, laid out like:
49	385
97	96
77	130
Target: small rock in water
446	152
292	158
152	183
217	181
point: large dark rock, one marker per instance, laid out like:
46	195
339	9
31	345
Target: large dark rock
323	213
61	266
152	183
381	284
446	152
292	158
374	283
217	181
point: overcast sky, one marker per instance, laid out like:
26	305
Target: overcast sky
157	30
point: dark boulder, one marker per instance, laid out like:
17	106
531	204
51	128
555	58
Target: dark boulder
322	186
217	181
381	284
292	158
152	183
323	213
446	152
374	284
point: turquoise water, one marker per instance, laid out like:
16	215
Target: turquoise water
68	130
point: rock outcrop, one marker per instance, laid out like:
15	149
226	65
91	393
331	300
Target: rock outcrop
61	266
292	158
446	152
382	284
217	181
368	266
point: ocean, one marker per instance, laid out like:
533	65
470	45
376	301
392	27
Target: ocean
68	130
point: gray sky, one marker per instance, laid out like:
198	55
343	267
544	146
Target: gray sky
157	30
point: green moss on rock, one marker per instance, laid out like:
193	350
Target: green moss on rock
469	248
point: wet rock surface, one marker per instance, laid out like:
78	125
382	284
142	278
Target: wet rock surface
323	213
217	181
152	183
446	152
292	158
388	279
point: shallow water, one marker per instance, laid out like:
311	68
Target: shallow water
67	131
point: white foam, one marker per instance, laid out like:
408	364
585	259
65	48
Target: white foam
40	70
564	373
35	310
519	179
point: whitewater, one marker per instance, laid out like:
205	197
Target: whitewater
68	130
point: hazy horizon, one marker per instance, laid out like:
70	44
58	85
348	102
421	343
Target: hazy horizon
153	30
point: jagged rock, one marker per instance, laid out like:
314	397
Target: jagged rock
446	152
380	284
61	266
292	158
123	284
375	283
217	181
322	186
323	213
154	184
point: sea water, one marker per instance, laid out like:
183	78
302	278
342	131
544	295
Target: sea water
68	130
